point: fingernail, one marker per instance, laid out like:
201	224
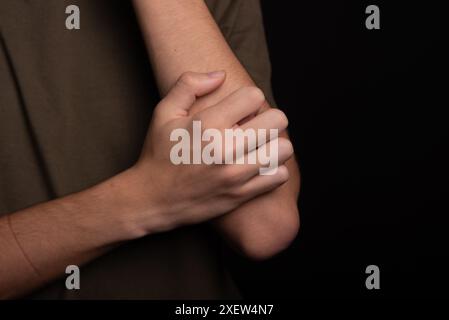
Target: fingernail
216	74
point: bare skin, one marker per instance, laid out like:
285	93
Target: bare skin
39	242
257	214
183	36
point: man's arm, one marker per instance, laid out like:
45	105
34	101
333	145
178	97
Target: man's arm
182	36
36	244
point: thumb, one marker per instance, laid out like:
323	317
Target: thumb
184	93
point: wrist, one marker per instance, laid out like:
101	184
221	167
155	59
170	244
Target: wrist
135	207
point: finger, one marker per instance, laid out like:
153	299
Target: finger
251	164
272	119
264	127
262	184
235	107
189	86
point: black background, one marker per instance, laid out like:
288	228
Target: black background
368	119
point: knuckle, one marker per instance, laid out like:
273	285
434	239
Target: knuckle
187	79
197	117
283	173
231	176
285	144
255	94
280	117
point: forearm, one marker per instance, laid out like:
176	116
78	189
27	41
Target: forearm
38	243
265	225
182	36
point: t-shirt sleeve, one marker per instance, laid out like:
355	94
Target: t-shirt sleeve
241	22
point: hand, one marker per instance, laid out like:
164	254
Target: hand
169	195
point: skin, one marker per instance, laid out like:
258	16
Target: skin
257	214
183	36
151	197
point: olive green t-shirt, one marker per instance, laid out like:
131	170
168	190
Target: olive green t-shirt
74	110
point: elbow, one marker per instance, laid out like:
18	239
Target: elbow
267	241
